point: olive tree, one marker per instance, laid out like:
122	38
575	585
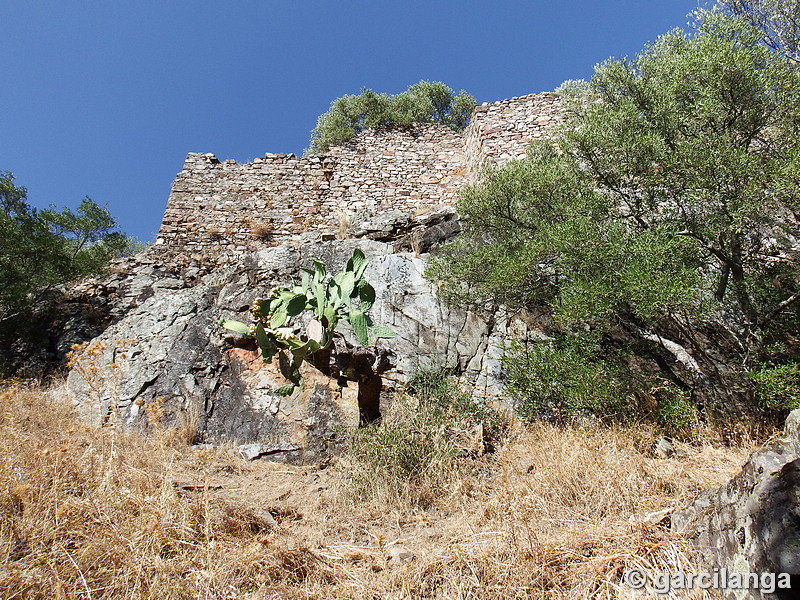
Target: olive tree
665	207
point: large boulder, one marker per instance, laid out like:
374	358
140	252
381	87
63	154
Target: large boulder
752	524
169	361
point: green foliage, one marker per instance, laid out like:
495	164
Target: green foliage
424	102
40	249
347	296
438	393
563	377
413	455
775	23
777	386
664	202
538	231
676	412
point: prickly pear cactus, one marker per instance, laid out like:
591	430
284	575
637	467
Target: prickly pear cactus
345	296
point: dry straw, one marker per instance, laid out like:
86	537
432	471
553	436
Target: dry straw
91	513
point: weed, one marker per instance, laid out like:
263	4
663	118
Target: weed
415	453
261	232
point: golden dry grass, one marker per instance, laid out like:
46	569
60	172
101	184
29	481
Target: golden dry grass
262	231
97	513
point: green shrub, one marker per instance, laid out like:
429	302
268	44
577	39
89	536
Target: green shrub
676	412
438	393
417	450
563	378
777	387
424	102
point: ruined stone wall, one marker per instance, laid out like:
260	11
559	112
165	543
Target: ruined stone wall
223	207
220	208
226	207
414	170
501	131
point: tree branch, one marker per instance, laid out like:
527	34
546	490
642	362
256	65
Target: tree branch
779	309
679	352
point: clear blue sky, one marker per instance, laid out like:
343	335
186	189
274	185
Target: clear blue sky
104	98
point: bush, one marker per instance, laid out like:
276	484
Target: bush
676	414
777	387
563	378
414	454
424	102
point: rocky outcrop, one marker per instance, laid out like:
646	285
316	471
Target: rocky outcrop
169	361
75	313
752	524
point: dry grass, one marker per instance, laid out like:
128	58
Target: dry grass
96	513
343	219
262	231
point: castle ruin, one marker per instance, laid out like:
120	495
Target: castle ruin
223	208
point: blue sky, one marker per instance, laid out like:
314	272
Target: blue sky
104	98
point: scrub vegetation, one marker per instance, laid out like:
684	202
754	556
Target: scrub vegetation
658	226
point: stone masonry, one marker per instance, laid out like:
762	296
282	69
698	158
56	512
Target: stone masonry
501	131
222	208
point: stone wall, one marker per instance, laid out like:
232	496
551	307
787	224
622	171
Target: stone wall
221	208
501	131
415	171
224	207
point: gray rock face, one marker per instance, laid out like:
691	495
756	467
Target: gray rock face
416	233
752	525
169	361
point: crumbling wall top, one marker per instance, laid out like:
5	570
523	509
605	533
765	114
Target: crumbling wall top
220	207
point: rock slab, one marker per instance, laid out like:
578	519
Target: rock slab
167	361
752	524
